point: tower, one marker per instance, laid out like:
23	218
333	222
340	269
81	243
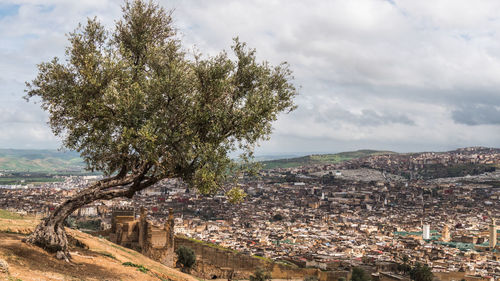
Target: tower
493	234
445	235
169	229
142	228
426	233
169	257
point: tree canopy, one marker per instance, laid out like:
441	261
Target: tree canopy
140	108
185	256
421	273
133	102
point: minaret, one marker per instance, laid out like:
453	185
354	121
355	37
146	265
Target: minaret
445	235
426	233
493	234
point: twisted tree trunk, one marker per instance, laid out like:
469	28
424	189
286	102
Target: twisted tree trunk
50	234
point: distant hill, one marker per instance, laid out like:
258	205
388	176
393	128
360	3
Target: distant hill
44	161
321	159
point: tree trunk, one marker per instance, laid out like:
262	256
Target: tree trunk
50	234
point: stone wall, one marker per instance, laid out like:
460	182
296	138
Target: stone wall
457	276
388	276
218	262
211	260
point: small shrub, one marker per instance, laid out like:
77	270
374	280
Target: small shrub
185	256
359	274
260	275
139	267
109	255
421	273
277	217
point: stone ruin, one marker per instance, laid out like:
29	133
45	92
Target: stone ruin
153	241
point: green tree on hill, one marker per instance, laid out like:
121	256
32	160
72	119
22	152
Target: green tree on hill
359	274
277	217
421	273
138	109
185	257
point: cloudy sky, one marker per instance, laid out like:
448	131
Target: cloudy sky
396	75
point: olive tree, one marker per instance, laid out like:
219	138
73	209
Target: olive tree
185	257
139	108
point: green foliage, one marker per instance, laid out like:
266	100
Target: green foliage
359	274
185	256
212	245
134	105
109	255
341	279
70	222
404	267
89	224
236	195
260	275
262	258
139	267
421	273
277	217
311	278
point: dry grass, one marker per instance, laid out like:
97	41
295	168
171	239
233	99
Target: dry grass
102	261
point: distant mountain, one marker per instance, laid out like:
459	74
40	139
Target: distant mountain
321	158
37	160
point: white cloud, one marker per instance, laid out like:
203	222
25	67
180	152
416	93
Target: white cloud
401	75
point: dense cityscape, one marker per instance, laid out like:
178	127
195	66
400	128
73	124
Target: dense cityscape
366	211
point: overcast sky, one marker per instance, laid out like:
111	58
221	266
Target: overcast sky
396	75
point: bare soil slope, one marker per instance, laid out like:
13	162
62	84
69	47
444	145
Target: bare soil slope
102	260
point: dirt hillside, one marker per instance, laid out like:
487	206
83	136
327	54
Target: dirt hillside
102	260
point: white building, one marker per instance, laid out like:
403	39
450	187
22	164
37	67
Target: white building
426	234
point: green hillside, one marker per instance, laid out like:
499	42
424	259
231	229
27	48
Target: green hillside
46	161
321	159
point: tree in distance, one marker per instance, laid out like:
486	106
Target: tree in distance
185	257
359	274
421	273
139	109
404	267
260	275
277	217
